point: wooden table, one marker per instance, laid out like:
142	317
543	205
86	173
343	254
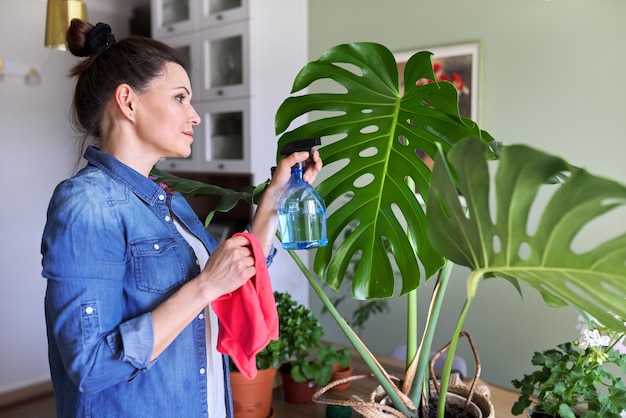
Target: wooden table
501	398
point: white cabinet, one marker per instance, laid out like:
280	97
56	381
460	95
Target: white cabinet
221	141
244	57
215	12
173	17
225	54
170	17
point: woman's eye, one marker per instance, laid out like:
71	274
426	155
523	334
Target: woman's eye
181	98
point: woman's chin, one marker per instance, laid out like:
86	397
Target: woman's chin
180	154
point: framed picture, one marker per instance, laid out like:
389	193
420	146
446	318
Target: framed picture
457	64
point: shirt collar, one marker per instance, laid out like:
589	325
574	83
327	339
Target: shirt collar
142	186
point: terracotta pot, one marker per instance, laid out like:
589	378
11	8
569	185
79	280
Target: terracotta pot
341	373
253	398
297	392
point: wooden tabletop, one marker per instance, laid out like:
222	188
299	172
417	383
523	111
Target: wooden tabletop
501	398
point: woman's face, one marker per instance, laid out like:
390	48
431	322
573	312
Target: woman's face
164	115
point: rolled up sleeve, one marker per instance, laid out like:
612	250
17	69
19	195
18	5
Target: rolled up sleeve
84	260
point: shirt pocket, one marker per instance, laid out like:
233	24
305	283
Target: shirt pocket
158	264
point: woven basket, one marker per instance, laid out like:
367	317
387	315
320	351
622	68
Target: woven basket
378	404
368	409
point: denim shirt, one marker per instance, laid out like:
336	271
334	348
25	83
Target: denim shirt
111	254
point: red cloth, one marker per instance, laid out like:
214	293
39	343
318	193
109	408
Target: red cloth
248	318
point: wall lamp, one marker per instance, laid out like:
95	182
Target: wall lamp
30	73
58	17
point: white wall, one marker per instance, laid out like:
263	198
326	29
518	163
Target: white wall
551	74
37	150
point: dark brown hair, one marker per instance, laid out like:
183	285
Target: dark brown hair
135	61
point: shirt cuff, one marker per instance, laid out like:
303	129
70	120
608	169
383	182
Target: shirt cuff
137	341
270	258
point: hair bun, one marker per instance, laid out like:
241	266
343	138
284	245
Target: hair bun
99	39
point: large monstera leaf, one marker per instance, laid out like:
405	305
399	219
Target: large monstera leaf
371	136
495	241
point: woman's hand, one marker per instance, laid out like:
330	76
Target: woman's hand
265	220
282	174
230	265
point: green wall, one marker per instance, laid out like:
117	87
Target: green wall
551	76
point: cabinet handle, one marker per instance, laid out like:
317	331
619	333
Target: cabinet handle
220	92
219	17
170	29
221	166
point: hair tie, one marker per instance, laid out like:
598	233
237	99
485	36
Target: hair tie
99	39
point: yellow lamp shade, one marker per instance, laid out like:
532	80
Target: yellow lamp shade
60	14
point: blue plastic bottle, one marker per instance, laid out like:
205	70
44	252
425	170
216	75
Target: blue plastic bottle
301	210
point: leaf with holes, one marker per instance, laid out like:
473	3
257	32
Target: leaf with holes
371	136
495	241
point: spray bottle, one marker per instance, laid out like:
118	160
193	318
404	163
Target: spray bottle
301	209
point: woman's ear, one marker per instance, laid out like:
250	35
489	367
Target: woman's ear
125	100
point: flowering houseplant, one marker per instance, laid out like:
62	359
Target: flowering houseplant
573	380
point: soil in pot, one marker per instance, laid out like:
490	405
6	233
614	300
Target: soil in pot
455	406
452	411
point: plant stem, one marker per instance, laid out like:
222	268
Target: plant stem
359	346
447	368
420	383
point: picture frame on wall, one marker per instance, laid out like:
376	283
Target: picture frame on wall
457	64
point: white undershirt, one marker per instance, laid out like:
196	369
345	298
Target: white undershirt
216	397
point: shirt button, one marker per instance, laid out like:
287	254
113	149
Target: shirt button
197	262
161	197
167	219
156	246
89	310
202	371
201	316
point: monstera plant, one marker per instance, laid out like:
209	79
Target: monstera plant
373	137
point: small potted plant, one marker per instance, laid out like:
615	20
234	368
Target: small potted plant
299	355
305	361
252	398
573	380
328	363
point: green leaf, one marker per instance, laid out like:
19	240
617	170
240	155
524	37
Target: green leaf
229	198
495	240
371	137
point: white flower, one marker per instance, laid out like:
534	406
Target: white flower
593	339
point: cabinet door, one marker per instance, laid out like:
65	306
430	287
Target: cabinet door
225	133
217	12
171	17
225	62
189	164
188	45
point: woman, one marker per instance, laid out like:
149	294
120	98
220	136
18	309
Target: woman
127	262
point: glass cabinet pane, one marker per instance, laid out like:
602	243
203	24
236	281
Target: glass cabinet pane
175	11
217	6
226	59
225	52
226	136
